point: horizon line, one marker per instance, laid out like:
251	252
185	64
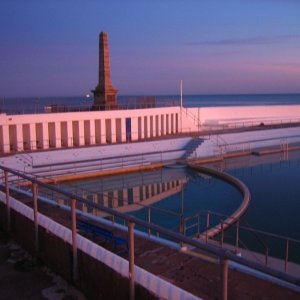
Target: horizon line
155	95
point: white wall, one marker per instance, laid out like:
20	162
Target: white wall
246	141
56	130
233	116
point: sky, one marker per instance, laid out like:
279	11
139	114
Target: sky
50	47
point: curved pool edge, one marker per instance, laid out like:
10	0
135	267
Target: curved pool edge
234	217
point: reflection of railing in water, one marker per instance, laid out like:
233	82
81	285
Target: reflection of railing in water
199	224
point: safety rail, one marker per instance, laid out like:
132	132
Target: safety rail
223	254
276	123
193	117
27	157
59	108
100	164
198	226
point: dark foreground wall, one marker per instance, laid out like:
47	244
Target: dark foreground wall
96	280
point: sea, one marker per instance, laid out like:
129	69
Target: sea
39	104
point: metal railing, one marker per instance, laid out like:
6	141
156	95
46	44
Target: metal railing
50	168
224	255
198	226
21	108
276	123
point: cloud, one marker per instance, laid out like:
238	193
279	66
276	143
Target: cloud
247	41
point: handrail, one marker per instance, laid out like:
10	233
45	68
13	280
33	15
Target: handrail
205	212
63	108
222	254
195	118
255	232
26	157
115	158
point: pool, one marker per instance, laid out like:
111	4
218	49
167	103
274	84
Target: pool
171	197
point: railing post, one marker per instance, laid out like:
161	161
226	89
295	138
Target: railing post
74	239
35	215
222	233
149	219
224	278
131	260
198	226
207	225
181	228
267	256
286	255
7	200
237	237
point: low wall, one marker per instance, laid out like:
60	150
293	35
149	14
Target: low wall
236	116
247	141
101	160
73	129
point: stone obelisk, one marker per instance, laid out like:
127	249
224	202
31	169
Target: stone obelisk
105	95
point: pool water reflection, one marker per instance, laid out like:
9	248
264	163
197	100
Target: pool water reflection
167	196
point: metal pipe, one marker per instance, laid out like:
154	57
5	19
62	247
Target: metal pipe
207	226
149	219
237	237
35	215
224	278
222	234
286	256
198	227
7	197
74	239
131	260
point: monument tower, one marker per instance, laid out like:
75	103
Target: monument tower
105	95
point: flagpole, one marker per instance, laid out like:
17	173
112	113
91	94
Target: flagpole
180	93
181	104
